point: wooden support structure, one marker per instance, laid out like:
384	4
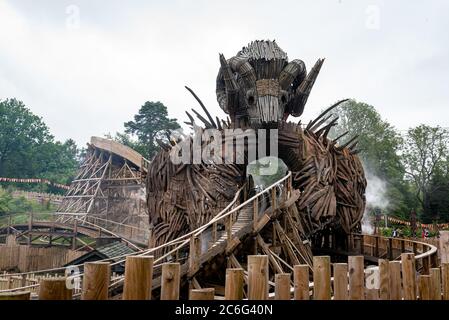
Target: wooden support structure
445	280
395	280
282	286
444	246
202	294
341	281
54	289
424	287
96	281
301	282
384	279
356	278
170	281
194	255
321	278
408	276
234	284
435	283
258	277
138	278
17	295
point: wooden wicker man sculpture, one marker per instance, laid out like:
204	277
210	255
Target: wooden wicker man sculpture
260	88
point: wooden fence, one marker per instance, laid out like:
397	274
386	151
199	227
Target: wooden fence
390	280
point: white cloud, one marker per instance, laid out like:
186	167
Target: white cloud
90	80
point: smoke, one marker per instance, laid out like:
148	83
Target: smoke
376	198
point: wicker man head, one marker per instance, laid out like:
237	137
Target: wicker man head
260	86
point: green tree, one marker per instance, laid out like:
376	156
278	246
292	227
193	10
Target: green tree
149	125
378	145
28	150
20	132
424	154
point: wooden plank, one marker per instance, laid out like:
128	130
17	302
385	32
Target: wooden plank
170	281
234	284
202	294
341	281
384	277
96	281
424	287
301	282
282	286
321	278
17	295
54	289
395	280
445	280
356	278
435	283
138	277
444	246
408	276
257	277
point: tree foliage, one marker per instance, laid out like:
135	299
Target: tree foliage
28	150
149	124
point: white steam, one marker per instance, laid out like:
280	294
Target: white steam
376	197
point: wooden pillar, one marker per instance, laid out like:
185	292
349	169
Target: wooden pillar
202	294
395	280
54	289
435	283
444	246
138	278
321	278
75	233
445	280
340	281
424	287
282	286
30	228
170	281
17	295
301	282
234	284
384	277
408	276
390	249
255	213
258	277
362	244
96	281
194	254
376	248
356	278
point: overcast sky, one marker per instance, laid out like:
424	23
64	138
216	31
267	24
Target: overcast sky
87	66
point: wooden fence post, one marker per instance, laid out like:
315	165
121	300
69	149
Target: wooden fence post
395	280
445	280
321	278
202	294
170	281
17	295
194	254
340	281
138	278
282	286
234	284
384	277
54	289
96	281
257	277
408	276
356	278
424	287
444	246
435	283
301	282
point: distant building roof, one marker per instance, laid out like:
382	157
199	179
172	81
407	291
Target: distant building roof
112	251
